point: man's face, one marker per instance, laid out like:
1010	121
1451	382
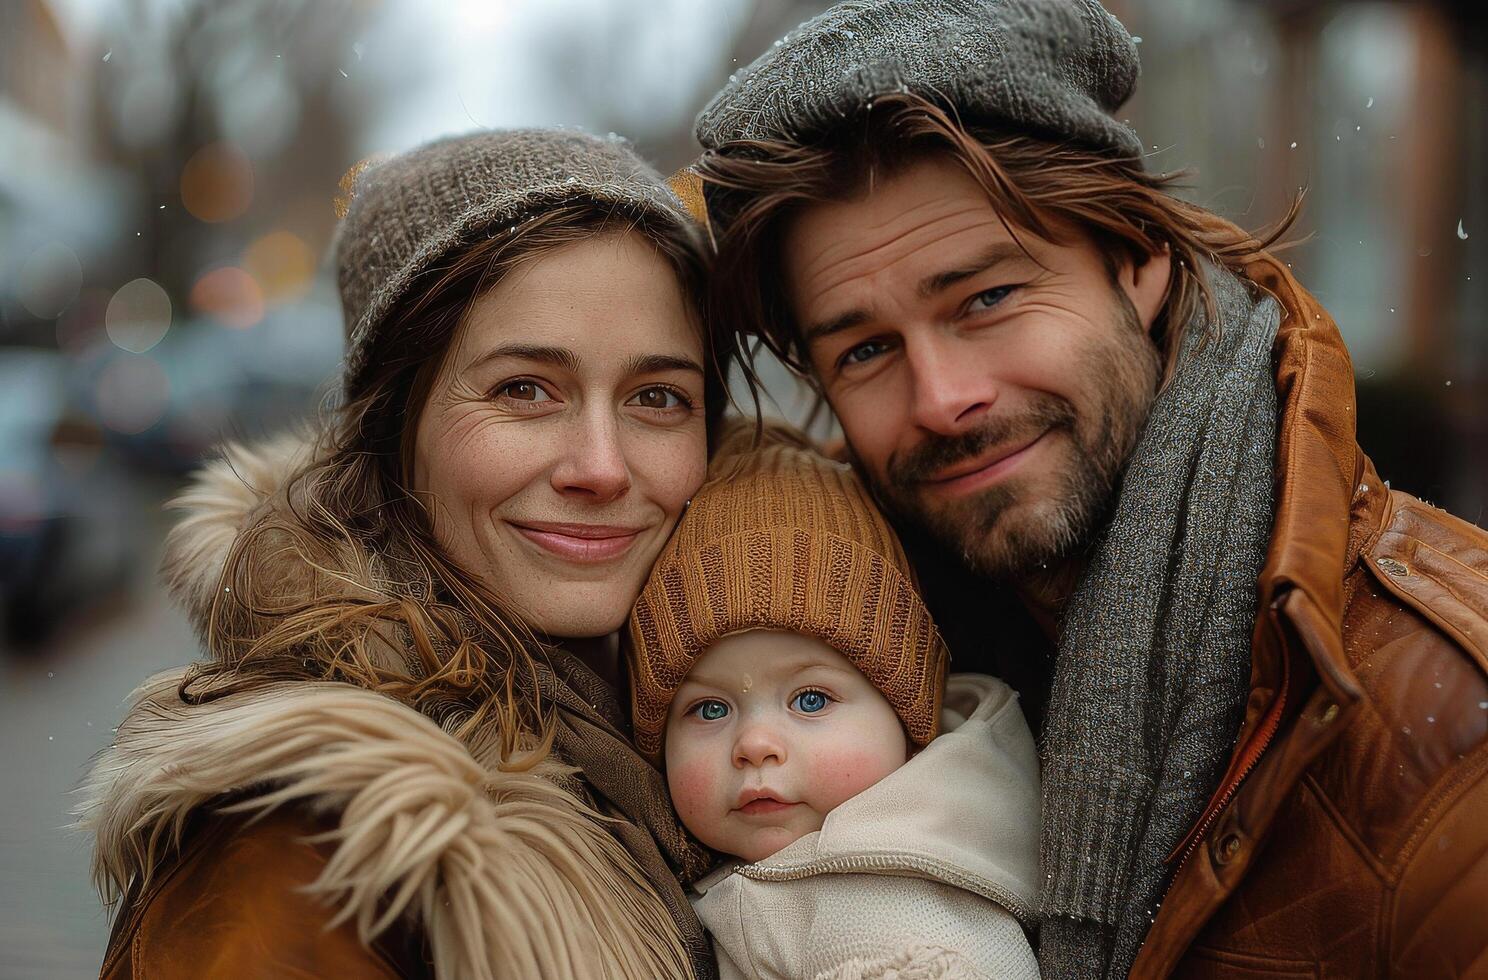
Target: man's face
992	396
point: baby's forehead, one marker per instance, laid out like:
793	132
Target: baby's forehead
764	656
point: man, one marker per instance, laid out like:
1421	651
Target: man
1264	706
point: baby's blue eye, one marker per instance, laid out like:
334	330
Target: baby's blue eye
809	702
711	710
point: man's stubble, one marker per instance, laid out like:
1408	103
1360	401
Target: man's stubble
1001	533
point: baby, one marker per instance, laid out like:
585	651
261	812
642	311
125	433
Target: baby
790	680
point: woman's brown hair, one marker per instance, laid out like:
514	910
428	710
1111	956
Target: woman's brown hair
755	187
375	601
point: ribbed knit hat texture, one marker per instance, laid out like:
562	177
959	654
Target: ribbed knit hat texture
780	537
1058	68
408	213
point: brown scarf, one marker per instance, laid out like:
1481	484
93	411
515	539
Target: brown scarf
590	736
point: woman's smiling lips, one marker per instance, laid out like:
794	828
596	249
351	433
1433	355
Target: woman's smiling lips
984	470
579	542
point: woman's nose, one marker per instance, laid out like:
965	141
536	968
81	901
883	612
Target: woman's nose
593	464
758	744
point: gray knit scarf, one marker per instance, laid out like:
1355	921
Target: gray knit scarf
1153	663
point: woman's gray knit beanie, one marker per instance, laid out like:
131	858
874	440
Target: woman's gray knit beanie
409	212
1056	68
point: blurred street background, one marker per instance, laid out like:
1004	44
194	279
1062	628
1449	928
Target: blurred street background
168	178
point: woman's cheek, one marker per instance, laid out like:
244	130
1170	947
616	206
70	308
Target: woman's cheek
675	466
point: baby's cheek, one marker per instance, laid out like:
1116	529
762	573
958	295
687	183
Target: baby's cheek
845	771
694	787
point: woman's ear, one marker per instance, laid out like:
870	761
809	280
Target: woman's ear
1145	284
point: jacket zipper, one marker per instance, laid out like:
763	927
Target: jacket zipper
1253	754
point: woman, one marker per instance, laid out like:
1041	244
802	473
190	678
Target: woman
406	753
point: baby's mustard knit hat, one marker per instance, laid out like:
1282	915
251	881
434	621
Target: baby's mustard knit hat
780	537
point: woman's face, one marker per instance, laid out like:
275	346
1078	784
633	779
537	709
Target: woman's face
564	432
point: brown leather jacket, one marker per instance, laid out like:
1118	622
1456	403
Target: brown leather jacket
1349	837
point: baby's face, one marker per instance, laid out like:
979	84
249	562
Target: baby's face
769	732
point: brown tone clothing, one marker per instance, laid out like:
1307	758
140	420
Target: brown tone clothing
240	828
231	905
1349	837
781	537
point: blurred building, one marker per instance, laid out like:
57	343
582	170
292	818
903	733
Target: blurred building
1379	112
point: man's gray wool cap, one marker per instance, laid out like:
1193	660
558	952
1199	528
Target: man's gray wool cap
1056	68
409	212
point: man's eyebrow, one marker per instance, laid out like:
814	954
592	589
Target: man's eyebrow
837	324
994	254
561	356
657	363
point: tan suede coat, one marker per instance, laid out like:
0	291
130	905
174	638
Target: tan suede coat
321	829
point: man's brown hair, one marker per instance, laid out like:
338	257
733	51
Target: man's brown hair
755	187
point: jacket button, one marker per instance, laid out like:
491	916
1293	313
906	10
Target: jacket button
1392	566
1228	848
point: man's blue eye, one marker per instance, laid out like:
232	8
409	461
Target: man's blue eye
711	710
809	702
990	297
863	352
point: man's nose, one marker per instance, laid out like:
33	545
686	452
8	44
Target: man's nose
757	744
950	386
593	464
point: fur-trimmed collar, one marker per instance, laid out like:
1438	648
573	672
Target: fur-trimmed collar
506	872
221	500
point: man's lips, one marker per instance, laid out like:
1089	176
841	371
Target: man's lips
984	468
579	542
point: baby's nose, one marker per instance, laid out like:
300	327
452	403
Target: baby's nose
758	744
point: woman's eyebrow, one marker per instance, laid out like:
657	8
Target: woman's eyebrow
560	356
657	363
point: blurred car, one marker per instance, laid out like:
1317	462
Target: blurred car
164	409
64	537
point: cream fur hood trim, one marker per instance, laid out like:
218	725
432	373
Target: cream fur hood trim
509	874
218	503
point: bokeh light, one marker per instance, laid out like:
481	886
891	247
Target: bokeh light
261	117
147	105
230	296
48	281
283	265
138	316
82	324
217	182
131	394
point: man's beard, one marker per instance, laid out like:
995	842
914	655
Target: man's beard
1121	374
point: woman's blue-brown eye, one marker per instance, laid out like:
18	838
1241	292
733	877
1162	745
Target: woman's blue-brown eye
523	391
660	398
809	702
711	710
